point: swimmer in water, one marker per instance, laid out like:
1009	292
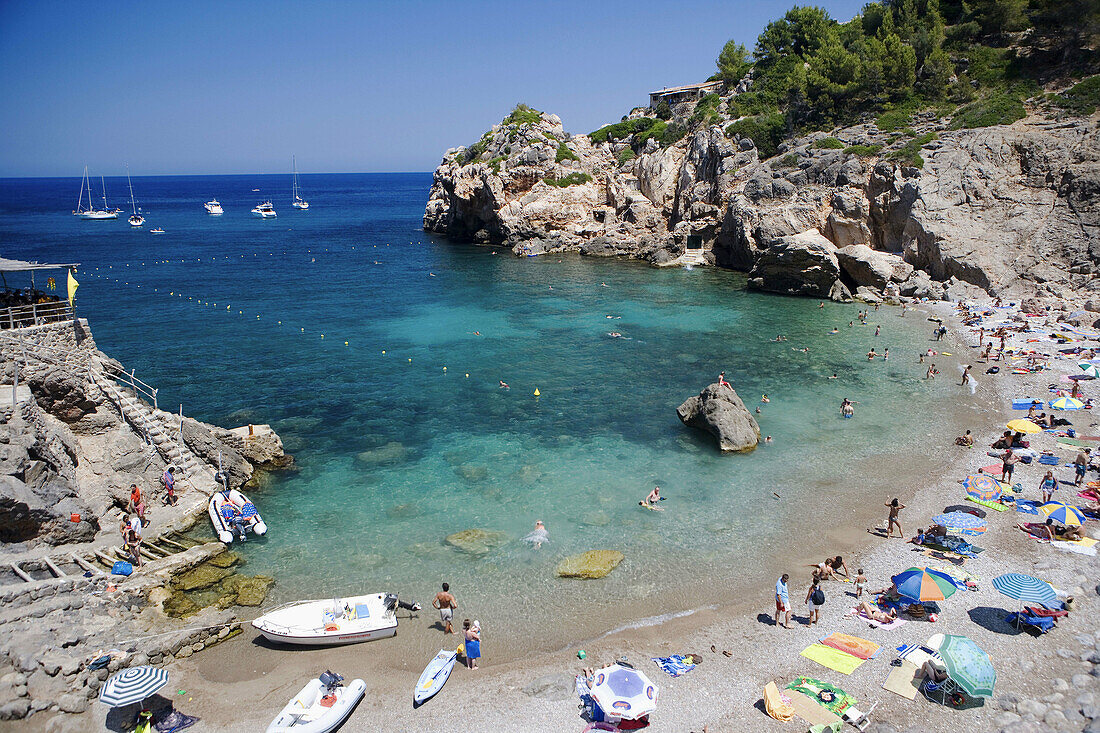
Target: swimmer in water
871	354
834	376
878	329
758	409
851	323
650	502
503	384
614	334
768	439
886	354
764	398
538	536
835	330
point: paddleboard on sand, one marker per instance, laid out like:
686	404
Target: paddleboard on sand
434	676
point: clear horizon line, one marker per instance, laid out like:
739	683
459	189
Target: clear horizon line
182	175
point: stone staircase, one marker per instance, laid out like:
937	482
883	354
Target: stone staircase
692	257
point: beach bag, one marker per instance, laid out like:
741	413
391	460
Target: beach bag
818	597
121	567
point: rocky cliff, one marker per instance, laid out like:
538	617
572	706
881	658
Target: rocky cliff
927	212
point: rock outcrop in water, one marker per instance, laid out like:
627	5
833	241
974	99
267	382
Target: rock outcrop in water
1009	209
590	565
719	411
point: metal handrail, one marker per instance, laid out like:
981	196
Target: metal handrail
35	314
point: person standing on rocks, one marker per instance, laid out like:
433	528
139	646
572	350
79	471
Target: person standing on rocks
446	604
782	602
136	504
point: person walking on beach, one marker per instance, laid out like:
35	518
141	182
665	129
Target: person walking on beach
472	632
815	599
895	508
1008	464
1081	465
966	376
878	330
1047	486
886	354
782	602
446	604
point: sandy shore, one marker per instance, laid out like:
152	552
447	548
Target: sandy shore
241	684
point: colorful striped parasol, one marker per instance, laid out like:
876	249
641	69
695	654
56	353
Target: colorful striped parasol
923	584
1065	513
982	487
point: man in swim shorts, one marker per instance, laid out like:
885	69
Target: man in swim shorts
446	604
783	602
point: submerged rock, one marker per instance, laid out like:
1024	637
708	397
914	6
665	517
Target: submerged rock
249	590
203	576
590	565
476	541
392	452
225	560
719	411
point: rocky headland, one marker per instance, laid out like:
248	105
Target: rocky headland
76	430
859	211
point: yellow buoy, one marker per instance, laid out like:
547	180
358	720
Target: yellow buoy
383	352
303	330
322	335
345	343
410	359
467	375
444	368
537	393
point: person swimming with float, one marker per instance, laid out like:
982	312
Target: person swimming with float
650	502
503	384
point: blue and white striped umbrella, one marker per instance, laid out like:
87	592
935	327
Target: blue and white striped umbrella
1025	588
962	522
132	685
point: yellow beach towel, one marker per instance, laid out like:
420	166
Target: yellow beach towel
834	659
774	704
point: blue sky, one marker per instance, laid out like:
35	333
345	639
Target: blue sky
238	87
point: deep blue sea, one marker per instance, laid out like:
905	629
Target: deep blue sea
376	352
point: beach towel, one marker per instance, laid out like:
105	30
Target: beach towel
853	645
832	698
1081	547
1027	507
174	721
994	505
958	575
903	680
813	713
994	470
677	664
834	659
917	654
854	613
777	704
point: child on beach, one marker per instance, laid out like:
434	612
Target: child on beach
815	599
895	508
861	581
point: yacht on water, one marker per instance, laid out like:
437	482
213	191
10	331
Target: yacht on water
136	219
91	212
299	202
158	230
264	210
213	207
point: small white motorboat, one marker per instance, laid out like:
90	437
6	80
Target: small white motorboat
333	620
264	210
321	706
213	206
434	676
234	515
158	230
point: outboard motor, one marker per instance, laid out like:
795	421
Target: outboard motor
413	606
330	679
389	602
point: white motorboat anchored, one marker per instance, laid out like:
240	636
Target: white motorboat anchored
213	206
348	620
232	514
264	210
321	706
91	212
299	202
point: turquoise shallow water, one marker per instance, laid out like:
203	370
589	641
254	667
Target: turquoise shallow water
394	454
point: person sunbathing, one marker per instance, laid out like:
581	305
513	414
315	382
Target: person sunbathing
1038	531
877	614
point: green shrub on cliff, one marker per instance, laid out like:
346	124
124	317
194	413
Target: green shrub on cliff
522	115
625	154
1081	99
564	153
828	143
663	111
623	129
999	108
706	110
573	179
863	151
765	131
909	154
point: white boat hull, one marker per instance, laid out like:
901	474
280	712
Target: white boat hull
434	676
225	532
305	714
97	214
326	622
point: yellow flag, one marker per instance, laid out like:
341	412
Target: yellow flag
73	285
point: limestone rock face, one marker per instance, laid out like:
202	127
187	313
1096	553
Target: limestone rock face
800	264
201	439
866	266
719	411
1013	210
590	565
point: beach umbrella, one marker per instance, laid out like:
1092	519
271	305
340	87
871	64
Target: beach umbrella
132	685
1066	403
982	487
623	692
1064	513
961	522
923	584
968	665
1025	588
1089	368
1023	426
